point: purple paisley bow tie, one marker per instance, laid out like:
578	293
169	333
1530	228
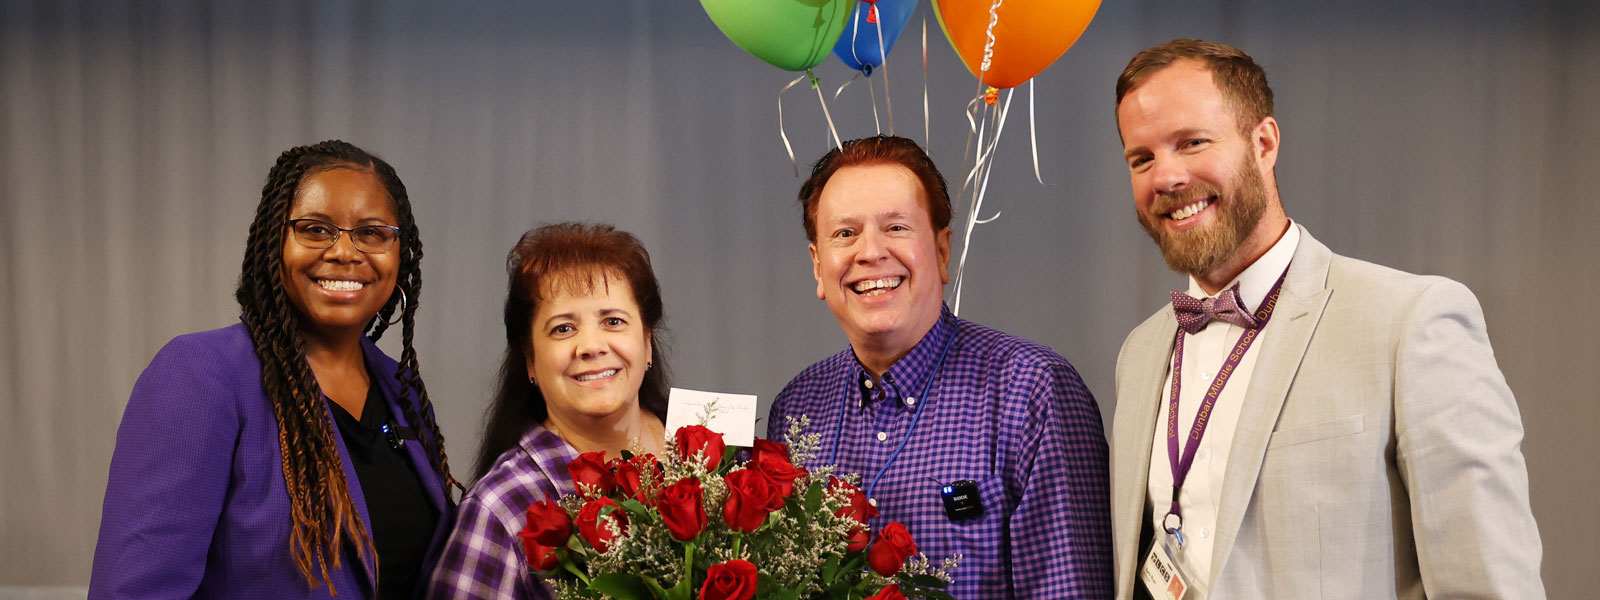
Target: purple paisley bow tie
1193	313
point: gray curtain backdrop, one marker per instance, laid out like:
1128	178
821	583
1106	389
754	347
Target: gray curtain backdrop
1454	138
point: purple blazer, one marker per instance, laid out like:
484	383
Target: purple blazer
196	505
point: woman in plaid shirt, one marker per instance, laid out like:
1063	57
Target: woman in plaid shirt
583	372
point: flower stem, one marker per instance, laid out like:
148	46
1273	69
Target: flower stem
736	539
574	570
688	565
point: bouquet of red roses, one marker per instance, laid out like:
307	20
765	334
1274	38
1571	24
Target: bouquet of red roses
699	524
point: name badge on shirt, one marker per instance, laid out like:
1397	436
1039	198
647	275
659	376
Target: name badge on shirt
1166	575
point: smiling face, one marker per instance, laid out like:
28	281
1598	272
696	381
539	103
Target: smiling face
1199	184
590	347
877	260
339	289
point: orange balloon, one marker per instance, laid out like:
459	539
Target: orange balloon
1029	35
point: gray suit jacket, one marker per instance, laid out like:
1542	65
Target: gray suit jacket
1378	454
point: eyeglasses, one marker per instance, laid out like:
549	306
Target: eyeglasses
319	234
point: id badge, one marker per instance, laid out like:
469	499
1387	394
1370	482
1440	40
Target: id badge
1167	575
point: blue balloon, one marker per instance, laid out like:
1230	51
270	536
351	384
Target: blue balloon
858	46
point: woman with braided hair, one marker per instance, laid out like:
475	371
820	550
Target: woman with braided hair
286	456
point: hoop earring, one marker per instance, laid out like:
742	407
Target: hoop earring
402	310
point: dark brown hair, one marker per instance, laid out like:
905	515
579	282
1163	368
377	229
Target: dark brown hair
567	254
319	497
1240	79
876	150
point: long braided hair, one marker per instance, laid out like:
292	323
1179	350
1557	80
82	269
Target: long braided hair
319	497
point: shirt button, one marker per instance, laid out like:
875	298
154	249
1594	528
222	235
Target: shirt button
882	436
1206	375
1202	454
911	401
1202	533
867	383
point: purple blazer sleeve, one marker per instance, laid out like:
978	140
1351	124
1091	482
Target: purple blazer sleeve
169	475
196	504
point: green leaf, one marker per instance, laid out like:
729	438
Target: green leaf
634	507
854	563
727	460
655	588
813	498
935	594
830	570
622	586
765	585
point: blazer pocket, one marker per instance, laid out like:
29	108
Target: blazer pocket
1321	430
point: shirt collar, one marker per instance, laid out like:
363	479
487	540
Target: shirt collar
907	376
1257	279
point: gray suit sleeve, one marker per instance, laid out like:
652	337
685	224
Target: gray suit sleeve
1459	439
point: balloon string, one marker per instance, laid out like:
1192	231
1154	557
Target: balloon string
883	65
846	84
1033	132
927	140
816	84
976	132
988	45
876	126
781	132
855	30
996	118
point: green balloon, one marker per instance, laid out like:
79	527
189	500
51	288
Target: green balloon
793	35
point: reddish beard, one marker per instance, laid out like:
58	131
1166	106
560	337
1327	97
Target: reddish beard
1202	250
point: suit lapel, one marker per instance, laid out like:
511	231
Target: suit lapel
432	486
1138	402
1289	333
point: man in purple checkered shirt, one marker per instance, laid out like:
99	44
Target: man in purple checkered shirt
922	399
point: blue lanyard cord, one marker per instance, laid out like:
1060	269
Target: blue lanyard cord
844	413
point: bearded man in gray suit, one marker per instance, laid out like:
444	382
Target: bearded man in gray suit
1336	429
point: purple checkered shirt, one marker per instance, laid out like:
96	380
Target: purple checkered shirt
1005	412
484	557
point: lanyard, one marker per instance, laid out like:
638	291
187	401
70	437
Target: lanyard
1180	468
844	413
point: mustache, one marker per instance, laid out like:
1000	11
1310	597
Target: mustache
1166	202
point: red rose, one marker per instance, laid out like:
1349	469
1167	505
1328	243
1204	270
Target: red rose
859	509
596	533
682	509
773	463
890	551
697	439
732	580
589	469
548	523
540	556
749	500
858	539
630	475
769	447
888	593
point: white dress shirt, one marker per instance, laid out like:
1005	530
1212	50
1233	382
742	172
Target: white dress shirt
1203	355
